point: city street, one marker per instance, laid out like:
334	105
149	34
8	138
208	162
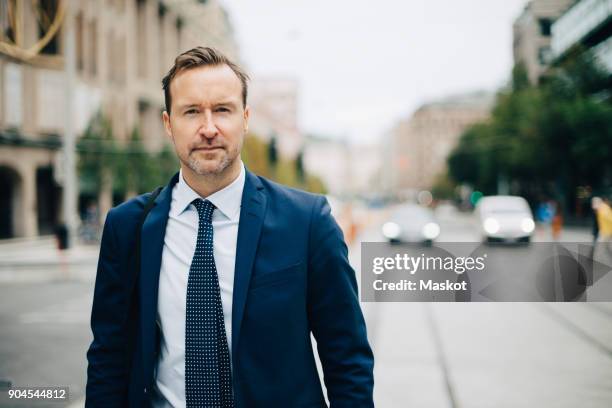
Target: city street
489	354
463	148
426	354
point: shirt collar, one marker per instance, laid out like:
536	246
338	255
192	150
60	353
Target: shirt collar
227	200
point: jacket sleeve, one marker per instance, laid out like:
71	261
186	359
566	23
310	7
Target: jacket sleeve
107	371
335	315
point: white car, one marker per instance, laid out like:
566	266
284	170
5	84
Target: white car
411	223
505	218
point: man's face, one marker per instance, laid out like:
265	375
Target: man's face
207	122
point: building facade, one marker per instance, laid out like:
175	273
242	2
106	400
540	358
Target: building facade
532	33
423	142
122	50
347	170
274	113
587	24
330	160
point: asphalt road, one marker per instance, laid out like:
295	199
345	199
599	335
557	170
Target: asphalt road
489	354
427	355
44	335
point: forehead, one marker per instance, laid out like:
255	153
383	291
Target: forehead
206	84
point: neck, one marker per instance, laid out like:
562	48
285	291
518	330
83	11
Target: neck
208	184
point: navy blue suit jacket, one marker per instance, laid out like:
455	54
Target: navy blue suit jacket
292	277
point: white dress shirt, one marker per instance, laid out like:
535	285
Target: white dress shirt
179	248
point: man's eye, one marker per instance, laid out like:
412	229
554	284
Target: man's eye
222	110
191	111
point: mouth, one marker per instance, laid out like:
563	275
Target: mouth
207	149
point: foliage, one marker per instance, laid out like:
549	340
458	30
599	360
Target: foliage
443	188
130	166
257	156
547	140
96	150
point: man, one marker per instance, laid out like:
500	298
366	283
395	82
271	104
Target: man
235	274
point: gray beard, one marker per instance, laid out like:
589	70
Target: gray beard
194	164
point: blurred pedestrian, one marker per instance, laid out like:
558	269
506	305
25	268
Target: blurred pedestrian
604	218
557	220
595	203
604	222
91	224
61	236
544	212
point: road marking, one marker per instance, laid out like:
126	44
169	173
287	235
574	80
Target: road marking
572	327
595	306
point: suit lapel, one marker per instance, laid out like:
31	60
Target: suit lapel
249	229
152	244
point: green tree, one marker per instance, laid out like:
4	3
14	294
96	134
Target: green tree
97	154
548	139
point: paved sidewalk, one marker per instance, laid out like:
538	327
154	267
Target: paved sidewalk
39	260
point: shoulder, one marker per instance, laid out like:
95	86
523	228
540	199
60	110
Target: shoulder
289	198
129	211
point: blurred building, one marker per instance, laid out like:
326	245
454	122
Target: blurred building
393	164
365	168
123	48
329	159
274	113
532	32
345	169
421	144
587	25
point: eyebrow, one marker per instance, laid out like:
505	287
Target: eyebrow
195	105
226	103
187	106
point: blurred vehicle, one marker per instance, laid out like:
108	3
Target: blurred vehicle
411	223
505	218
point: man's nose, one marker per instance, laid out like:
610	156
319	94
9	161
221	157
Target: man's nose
208	129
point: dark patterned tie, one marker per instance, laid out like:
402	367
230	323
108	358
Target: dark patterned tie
207	363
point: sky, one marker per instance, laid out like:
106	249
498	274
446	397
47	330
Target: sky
363	65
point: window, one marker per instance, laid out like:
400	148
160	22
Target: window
179	30
45	13
161	50
112	63
545	26
93	48
7	22
121	60
79	42
141	39
544	55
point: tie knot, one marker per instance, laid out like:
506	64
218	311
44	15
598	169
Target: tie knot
205	209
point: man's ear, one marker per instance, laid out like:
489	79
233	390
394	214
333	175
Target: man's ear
166	120
247	113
